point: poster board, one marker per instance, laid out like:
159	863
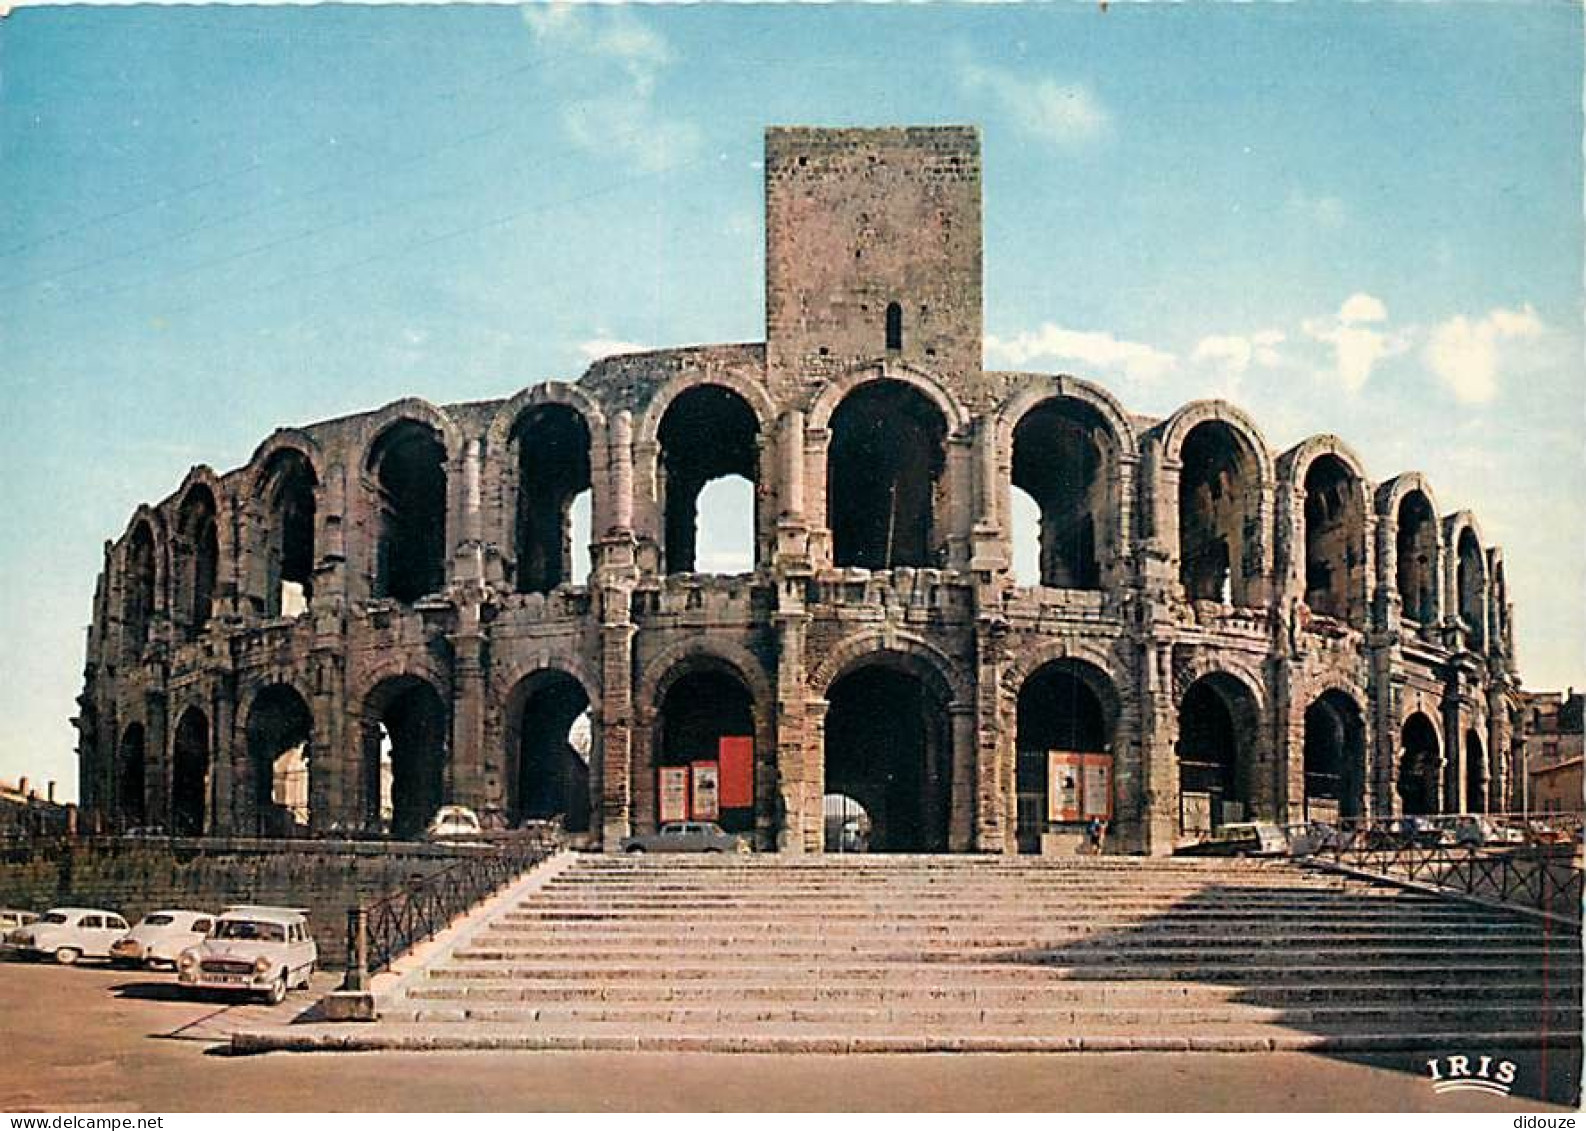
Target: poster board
1079	786
674	793
736	756
705	803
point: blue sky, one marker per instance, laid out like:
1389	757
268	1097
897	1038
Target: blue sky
1363	219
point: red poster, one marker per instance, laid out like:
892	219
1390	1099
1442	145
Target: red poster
737	772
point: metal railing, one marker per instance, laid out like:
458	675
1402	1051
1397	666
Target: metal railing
380	932
1519	860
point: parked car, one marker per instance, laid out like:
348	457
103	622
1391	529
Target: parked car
454	823
161	936
259	950
1242	838
69	933
686	836
10	919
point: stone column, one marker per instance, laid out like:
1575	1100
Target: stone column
964	791
988	548
467	762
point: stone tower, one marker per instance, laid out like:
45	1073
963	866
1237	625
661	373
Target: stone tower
873	251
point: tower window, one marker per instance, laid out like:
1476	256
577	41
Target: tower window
894	326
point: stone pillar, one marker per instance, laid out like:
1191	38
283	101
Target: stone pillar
1288	705
989	550
467	762
992	743
958	520
793	751
616	573
1159	738
964	790
331	583
225	739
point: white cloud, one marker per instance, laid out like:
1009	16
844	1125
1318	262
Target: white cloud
1061	113
1097	349
1237	352
596	348
1357	347
1361	307
623	58
1465	353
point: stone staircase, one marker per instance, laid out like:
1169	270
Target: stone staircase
921	953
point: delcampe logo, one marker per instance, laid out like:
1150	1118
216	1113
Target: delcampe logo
1457	1074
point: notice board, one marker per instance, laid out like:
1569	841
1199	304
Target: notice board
674	793
706	800
1079	786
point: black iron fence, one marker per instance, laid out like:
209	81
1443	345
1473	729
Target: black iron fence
1532	864
380	932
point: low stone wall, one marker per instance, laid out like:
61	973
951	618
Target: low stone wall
134	876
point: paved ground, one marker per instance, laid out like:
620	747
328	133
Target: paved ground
92	1039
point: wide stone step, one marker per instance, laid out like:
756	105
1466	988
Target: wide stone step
1209	926
666	1037
1244	972
969	1019
482	984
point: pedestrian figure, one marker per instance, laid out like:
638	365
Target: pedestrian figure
1096	831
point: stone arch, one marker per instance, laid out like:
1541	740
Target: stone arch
1066	452
1334	756
1419	768
647	429
1225	475
406	471
1219	723
720	664
141	566
1414	571
284	491
281	763
888	745
131	778
191	757
1329	502
1466	584
548	757
1035	388
908	648
196	550
406	723
928	384
708	433
1478	773
1064	705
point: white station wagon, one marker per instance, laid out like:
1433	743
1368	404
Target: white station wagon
261	950
161	936
69	933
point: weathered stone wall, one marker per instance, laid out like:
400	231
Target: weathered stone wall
172	702
136	877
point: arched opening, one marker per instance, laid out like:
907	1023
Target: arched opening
552	445
1335	540
1416	551
1420	754
847	825
405	726
549	740
709	432
1059	712
1475	773
190	774
1471	580
138	594
884	477
280	731
131	760
1061	460
196	558
894	327
1219	514
1335	758
707	720
888	747
1217	725
289	487
408	464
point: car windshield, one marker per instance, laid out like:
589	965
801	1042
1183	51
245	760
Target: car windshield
53	917
250	929
157	920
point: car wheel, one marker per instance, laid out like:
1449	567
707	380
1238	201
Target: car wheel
635	849
277	992
713	852
67	955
